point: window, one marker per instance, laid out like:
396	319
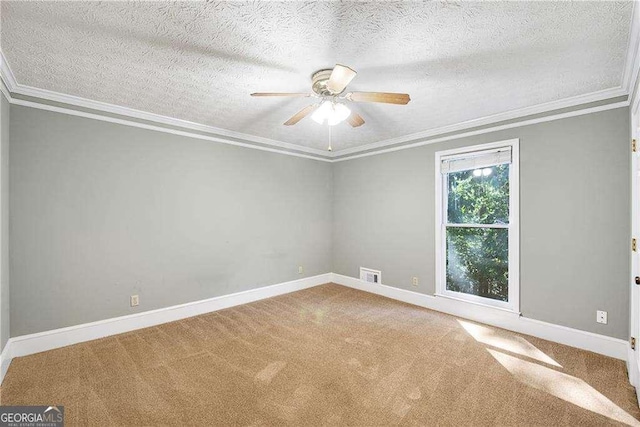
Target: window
477	224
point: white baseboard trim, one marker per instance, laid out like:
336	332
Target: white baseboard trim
49	340
5	360
596	343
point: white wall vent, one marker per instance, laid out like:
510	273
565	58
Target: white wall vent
369	275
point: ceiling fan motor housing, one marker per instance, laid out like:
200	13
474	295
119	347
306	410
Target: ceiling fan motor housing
319	81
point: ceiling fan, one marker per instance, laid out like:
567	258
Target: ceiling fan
328	86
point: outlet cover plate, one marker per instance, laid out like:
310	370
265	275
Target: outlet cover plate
601	317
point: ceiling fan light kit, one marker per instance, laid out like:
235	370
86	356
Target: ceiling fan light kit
328	85
331	112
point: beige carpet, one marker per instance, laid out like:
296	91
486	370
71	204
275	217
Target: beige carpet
328	355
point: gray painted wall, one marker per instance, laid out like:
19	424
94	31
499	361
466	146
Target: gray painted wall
101	211
574	218
4	221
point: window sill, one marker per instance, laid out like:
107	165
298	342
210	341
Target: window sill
466	301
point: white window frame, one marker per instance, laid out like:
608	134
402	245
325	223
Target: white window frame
513	304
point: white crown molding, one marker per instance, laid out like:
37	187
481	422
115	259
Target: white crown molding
35	343
494	118
156	118
602	344
9	84
488	130
335	156
7	79
630	75
109	119
5	72
16	88
629	78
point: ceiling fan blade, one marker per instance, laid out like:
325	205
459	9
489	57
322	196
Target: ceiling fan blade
280	94
355	119
384	97
301	114
341	76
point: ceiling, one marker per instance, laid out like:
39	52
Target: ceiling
200	61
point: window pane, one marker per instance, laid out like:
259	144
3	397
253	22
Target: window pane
477	261
479	196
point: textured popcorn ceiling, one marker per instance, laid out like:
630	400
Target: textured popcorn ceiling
199	61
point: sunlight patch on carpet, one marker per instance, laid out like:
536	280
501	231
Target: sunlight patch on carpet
566	387
508	342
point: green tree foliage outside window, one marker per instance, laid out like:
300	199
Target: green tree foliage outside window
477	258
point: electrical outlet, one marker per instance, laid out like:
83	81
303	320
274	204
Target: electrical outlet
414	282
601	317
300	270
135	300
